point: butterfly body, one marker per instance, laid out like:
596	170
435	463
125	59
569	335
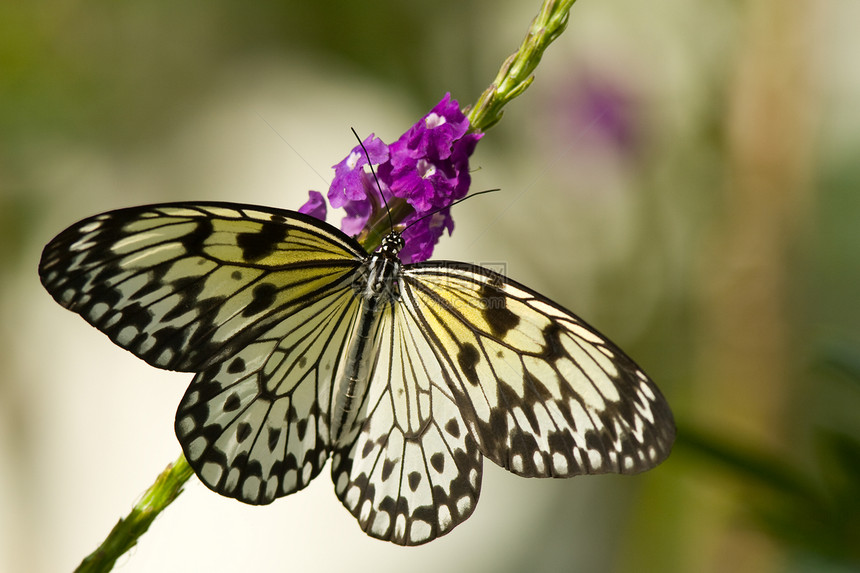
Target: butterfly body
305	347
376	285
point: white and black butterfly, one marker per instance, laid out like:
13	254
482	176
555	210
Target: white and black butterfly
307	347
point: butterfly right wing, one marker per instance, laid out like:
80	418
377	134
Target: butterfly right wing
185	285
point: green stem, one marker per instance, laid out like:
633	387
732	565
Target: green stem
371	237
126	532
515	74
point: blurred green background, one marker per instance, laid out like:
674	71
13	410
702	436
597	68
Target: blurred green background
683	173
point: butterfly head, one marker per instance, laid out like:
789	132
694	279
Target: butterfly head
391	245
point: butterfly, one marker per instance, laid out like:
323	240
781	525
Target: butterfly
307	347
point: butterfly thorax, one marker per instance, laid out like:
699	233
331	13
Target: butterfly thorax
378	278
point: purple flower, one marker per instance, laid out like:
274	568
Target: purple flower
315	205
604	112
359	211
427	167
435	133
422	237
429	164
347	184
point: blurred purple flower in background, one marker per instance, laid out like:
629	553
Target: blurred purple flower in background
603	112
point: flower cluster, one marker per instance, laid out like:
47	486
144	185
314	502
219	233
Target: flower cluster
427	168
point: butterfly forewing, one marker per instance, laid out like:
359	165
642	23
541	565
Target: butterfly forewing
543	393
186	285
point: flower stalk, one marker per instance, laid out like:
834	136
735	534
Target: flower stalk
124	535
515	75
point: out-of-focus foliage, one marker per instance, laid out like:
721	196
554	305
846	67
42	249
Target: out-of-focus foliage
813	511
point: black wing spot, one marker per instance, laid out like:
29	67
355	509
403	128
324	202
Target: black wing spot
495	309
365	451
232	403
195	241
236	365
468	358
243	431
437	461
263	243
554	349
274	435
301	428
453	428
236	275
263	299
387	468
414	480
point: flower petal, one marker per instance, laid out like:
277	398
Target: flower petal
315	205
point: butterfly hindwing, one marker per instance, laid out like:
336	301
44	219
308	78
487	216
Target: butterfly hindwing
413	471
183	286
544	394
256	426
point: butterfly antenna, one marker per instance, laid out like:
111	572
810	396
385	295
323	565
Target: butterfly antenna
431	213
375	178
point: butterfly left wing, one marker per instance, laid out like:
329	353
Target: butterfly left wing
543	393
257	300
409	471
